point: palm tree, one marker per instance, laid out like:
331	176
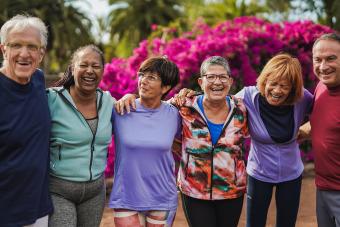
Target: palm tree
217	11
131	20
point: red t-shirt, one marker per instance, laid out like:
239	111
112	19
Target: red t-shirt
325	121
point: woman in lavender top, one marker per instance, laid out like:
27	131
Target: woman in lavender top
144	189
276	108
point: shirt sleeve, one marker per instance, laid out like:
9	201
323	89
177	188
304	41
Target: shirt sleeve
240	94
309	100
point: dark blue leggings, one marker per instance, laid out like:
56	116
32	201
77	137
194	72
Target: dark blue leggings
259	195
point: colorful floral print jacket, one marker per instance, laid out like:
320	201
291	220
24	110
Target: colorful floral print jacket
207	171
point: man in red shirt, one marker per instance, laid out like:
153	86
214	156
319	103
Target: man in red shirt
325	129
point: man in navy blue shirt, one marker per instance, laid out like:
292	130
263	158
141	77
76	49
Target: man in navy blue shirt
24	125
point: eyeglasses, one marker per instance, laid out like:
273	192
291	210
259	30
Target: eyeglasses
212	77
32	48
149	77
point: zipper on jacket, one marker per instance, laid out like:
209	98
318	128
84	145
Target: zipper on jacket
213	147
93	134
91	158
235	164
186	166
59	152
212	151
212	169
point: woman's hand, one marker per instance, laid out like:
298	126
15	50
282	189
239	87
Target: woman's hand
127	102
179	98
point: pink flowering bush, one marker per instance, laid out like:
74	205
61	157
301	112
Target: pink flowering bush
247	42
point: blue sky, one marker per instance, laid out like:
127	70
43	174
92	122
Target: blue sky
94	9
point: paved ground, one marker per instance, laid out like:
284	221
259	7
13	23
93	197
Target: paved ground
306	215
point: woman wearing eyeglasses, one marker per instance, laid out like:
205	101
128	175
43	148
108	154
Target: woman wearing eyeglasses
144	189
212	175
276	108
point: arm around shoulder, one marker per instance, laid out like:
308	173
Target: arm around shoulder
304	132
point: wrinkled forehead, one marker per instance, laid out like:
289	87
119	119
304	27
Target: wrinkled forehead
216	69
326	46
23	34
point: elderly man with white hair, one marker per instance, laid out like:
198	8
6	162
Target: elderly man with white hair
24	125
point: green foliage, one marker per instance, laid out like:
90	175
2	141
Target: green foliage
327	11
210	13
131	20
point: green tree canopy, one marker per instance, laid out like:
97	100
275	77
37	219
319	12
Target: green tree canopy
131	20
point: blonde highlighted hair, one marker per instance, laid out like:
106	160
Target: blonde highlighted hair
283	67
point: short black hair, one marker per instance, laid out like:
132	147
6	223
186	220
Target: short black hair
166	69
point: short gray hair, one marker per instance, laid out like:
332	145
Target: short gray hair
328	36
21	22
215	60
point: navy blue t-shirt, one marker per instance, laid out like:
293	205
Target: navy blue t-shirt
279	120
25	125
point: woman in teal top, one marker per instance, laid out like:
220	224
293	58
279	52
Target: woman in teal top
81	132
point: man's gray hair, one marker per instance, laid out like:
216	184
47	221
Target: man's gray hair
21	22
328	36
214	60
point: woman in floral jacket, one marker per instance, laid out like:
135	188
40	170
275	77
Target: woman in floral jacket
212	175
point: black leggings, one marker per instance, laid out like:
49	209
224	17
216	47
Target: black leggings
212	213
259	195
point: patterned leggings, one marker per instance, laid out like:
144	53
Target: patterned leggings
131	218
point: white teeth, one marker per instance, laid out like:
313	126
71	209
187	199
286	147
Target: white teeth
88	79
217	89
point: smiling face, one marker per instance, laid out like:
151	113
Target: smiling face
216	90
87	71
276	92
22	54
326	62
